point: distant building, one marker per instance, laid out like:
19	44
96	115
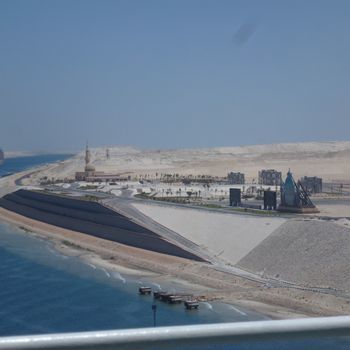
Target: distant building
270	177
294	198
312	184
99	176
91	175
235	178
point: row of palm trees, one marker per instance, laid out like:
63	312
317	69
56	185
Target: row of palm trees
179	193
175	177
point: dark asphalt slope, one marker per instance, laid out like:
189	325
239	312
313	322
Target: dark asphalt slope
95	214
91	218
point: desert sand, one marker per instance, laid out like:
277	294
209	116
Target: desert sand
329	160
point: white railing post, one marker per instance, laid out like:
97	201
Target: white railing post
175	336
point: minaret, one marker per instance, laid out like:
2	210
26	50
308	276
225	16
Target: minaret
88	167
87	154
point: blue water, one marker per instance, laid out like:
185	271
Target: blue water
13	165
43	291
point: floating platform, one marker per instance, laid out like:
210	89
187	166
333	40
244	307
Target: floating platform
191	305
170	298
175	299
165	297
145	290
158	294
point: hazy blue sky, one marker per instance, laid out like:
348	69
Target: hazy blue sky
172	73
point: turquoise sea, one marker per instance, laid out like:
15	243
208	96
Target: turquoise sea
43	291
16	164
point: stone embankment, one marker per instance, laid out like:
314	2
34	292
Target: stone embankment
313	253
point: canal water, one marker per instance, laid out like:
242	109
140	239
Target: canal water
16	164
44	291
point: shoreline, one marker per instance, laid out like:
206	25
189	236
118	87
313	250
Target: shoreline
159	269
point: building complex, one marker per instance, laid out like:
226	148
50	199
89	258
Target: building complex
312	184
270	177
235	178
91	175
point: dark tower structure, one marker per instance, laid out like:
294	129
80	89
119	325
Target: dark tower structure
294	198
270	200
235	197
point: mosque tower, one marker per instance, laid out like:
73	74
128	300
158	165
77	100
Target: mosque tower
89	168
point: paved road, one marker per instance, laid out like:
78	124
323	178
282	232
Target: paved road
335	201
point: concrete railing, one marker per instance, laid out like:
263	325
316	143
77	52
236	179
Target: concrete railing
169	337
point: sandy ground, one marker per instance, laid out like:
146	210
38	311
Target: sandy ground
335	210
228	236
15	154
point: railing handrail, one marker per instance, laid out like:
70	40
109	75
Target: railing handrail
219	333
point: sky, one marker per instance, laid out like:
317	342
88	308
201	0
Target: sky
172	74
